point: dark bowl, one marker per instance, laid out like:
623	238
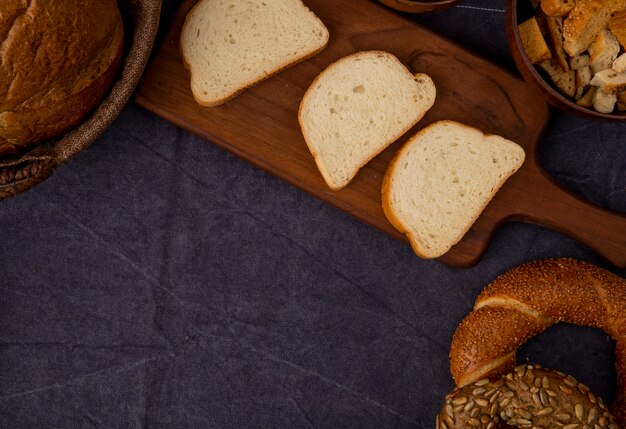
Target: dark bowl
419	6
516	13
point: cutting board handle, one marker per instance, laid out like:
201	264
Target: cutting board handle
554	207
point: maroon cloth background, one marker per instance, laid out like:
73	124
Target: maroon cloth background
157	281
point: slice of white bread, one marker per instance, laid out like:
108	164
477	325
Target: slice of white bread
229	45
357	107
442	179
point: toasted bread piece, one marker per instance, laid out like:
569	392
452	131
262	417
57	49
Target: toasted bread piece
587	99
579	61
619	65
533	42
555	35
357	107
586	20
442	179
603	51
609	80
229	46
604	101
617	25
621	101
552	29
583	79
564	81
557	7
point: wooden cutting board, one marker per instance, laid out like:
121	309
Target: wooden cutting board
261	125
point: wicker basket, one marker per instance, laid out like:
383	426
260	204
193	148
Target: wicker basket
19	173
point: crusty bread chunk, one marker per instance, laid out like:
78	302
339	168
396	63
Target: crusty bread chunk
579	61
610	80
557	7
621	100
441	180
533	41
587	99
229	45
604	100
586	20
583	79
617	24
565	81
619	65
555	34
357	107
603	51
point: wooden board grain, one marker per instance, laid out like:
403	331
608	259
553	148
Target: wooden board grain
261	125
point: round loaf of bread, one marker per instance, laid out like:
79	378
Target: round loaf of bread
57	60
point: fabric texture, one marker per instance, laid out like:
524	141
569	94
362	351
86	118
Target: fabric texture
157	281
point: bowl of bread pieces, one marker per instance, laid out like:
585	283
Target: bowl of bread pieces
66	71
574	51
413	6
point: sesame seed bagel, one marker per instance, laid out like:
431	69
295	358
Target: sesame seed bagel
527	397
526	300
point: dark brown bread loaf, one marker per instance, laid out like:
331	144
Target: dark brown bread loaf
57	60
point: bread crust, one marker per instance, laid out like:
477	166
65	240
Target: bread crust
585	22
386	198
555	32
206	102
557	8
217	102
58	62
621	101
538	295
564	81
533	41
617	25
